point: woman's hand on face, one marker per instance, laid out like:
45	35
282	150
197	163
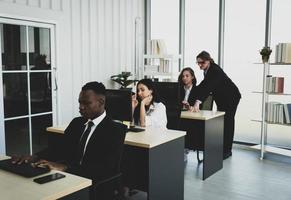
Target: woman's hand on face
147	100
134	101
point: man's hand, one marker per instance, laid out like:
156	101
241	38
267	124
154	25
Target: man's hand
50	165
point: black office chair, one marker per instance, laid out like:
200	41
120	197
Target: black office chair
110	188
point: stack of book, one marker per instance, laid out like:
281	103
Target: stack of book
156	47
278	113
275	84
283	53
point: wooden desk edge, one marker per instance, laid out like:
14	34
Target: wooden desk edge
185	115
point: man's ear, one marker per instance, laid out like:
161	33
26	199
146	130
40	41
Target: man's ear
101	101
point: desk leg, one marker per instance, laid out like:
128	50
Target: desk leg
166	171
213	146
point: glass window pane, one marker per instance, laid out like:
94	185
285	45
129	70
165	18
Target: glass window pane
40	53
15	94
161	15
244	37
201	31
40	92
14	47
17	137
39	134
165	26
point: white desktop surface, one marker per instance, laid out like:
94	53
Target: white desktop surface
149	138
201	115
152	137
16	187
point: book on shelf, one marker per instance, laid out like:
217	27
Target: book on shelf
278	113
274	84
158	65
283	53
287	112
156	47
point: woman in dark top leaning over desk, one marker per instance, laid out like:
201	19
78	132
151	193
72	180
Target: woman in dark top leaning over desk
225	94
187	82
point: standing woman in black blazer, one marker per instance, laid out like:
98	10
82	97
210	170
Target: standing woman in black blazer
225	94
187	83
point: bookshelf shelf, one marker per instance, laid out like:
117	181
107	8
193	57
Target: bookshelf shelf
157	74
159	65
268	93
272	149
268	113
277	63
259	120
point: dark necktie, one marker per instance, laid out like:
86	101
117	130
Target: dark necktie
83	141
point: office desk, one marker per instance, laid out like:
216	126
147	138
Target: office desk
153	161
206	128
15	187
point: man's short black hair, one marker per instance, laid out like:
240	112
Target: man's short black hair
97	87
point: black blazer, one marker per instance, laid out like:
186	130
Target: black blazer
103	152
224	91
192	96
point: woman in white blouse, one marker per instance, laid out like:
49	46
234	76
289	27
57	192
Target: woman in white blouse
147	109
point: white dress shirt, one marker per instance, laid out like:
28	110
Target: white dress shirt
96	122
187	92
156	116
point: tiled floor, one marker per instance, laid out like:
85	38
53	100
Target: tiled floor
243	177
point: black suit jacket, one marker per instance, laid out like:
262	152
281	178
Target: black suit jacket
192	96
224	91
103	152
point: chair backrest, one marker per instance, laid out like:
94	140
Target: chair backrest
208	103
169	95
105	189
122	132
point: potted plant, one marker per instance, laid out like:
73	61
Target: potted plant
265	53
122	79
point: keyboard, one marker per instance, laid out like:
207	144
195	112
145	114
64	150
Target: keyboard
24	169
135	129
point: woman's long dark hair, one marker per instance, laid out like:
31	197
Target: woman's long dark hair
191	71
204	55
150	85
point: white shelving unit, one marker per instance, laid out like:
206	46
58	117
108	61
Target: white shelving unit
160	66
264	147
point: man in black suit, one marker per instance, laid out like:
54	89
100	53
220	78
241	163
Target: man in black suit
225	93
92	142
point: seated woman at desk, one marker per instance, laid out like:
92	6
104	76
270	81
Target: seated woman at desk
187	82
147	109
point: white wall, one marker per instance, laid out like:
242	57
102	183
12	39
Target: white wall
94	40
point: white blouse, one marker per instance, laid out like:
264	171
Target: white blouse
156	116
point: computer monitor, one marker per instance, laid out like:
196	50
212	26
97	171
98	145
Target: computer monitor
118	104
169	95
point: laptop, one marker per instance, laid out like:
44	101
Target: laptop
24	169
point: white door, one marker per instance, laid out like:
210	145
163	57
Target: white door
27	89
